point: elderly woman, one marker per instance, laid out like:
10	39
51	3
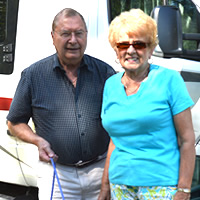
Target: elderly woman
146	111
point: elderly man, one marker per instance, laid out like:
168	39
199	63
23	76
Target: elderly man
63	94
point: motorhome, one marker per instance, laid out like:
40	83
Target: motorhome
25	37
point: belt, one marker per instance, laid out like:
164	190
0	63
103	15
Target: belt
81	164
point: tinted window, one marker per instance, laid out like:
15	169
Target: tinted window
118	6
189	15
8	26
190	21
2	20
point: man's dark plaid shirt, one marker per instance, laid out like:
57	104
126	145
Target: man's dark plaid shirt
67	117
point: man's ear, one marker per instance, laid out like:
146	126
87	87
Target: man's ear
52	35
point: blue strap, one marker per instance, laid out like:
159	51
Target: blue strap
52	186
55	175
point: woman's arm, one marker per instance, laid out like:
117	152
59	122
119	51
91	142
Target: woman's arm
186	139
105	185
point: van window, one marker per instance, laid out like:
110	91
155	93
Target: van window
2	20
190	21
8	26
118	6
189	13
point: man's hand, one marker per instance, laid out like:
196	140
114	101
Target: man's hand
45	151
24	132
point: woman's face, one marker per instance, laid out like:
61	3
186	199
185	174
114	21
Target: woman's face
133	58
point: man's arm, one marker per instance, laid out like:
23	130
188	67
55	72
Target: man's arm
105	185
25	133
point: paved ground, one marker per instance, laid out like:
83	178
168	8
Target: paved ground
5	197
16	192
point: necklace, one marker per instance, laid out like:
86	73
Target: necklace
126	82
74	82
127	85
132	91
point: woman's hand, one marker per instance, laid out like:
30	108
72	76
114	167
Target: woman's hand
182	196
186	140
105	185
105	192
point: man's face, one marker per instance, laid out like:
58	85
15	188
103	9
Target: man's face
70	39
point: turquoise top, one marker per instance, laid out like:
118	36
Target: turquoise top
141	127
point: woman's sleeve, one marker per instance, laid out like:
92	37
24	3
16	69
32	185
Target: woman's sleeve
179	97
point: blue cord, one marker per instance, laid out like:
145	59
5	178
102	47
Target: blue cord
56	175
52	185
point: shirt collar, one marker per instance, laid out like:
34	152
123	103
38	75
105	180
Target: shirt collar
84	63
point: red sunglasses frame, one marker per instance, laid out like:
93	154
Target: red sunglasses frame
136	45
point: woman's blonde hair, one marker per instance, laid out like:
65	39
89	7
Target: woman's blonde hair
134	22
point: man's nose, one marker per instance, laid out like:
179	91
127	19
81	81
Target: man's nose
73	38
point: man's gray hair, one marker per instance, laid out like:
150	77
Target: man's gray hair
67	12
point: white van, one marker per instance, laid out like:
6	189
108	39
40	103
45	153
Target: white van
25	37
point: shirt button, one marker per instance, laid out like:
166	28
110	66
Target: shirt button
79	115
82	134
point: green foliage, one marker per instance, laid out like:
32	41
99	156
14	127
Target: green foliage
190	16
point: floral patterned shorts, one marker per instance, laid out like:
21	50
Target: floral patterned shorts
123	192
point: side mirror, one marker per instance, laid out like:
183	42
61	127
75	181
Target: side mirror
168	19
169	23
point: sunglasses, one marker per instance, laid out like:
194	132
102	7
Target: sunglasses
136	45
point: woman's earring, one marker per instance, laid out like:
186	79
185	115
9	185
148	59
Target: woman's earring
117	60
150	61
